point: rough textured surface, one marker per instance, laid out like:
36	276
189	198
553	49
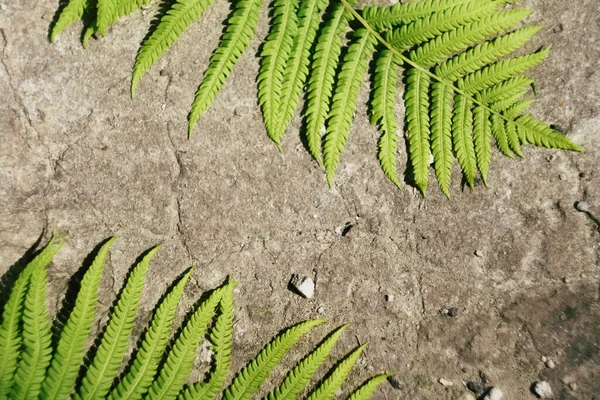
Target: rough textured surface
79	156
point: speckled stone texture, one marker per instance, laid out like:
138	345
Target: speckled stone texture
77	155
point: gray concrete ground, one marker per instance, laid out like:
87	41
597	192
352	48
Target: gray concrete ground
79	156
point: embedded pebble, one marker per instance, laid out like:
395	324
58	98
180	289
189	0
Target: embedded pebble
476	387
452	311
573	386
543	390
445	382
582	206
304	285
396	384
550	364
321	310
389	297
3	7
494	394
479	253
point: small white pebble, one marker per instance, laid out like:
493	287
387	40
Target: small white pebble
582	206
430	159
544	359
494	394
321	310
3	7
446	382
339	392
573	386
550	364
479	253
562	177
305	286
389	297
543	390
338	230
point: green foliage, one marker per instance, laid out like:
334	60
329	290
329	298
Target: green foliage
36	365
460	89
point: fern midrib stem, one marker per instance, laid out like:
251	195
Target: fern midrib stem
417	66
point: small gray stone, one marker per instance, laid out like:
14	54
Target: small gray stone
550	364
478	253
573	386
303	285
452	311
389	297
542	390
494	394
476	387
396	384
582	206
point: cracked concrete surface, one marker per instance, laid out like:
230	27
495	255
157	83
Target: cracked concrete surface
79	156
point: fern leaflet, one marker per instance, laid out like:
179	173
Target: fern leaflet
239	31
326	390
482	131
299	377
104	368
179	17
344	99
70	349
10	336
462	125
145	364
72	11
37	339
247	382
320	83
274	55
365	391
441	134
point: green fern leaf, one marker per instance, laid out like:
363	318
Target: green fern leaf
239	31
180	359
444	45
320	84
403	13
221	337
10	335
296	68
441	134
416	100
484	53
247	382
482	132
540	134
344	99
145	364
168	30
462	125
299	376
500	71
506	103
427	28
326	390
107	12
365	391
73	11
37	339
382	111
505	89
517	108
105	366
513	138
274	55
70	350
499	132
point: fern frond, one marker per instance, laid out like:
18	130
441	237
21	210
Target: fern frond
72	12
504	89
441	134
416	100
365	391
507	102
403	13
247	382
109	12
500	71
444	45
70	349
427	28
105	366
145	364
240	29
221	337
10	336
462	125
180	359
484	53
540	134
326	390
482	132
499	132
274	54
382	110
296	68
517	108
344	99
12	315
179	17
300	375
37	339
320	83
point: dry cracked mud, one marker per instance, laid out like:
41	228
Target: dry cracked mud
517	260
